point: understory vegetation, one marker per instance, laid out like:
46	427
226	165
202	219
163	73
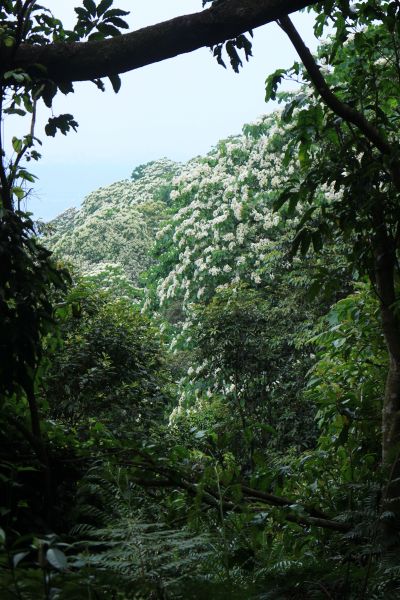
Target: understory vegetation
199	367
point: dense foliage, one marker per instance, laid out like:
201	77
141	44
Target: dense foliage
116	225
207	405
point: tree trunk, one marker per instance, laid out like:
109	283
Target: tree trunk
384	276
40	449
384	260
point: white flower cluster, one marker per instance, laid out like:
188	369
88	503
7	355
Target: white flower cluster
221	230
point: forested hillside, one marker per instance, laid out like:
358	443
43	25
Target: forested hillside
115	227
201	236
200	367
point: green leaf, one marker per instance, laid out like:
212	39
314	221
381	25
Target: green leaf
48	93
115	82
266	427
116	12
292	204
17	144
217	53
317	241
18	557
303	154
233	55
108	30
19	193
62	123
9	41
15	111
26	176
57	559
81	12
90	7
271	84
297	241
118	22
66	87
306	216
103	6
305	242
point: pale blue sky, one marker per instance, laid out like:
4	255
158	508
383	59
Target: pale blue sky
177	108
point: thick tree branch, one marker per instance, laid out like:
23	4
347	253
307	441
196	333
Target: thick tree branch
274	500
91	60
311	517
208	498
340	108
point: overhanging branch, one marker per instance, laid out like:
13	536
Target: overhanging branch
253	500
95	59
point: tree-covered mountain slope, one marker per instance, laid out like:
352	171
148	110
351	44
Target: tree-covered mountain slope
112	232
194	228
222	202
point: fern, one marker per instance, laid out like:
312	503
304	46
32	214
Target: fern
123	545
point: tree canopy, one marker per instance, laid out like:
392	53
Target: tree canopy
231	429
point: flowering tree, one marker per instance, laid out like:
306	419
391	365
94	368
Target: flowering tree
226	280
223	226
116	223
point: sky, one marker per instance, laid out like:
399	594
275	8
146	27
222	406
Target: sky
177	108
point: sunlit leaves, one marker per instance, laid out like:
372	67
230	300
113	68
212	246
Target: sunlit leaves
348	376
333	156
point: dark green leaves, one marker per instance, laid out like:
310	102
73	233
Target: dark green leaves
297	102
115	82
233	56
61	123
271	84
48	93
99	22
26	279
103	6
90	7
232	47
217	52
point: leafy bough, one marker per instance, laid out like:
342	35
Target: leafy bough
150	473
